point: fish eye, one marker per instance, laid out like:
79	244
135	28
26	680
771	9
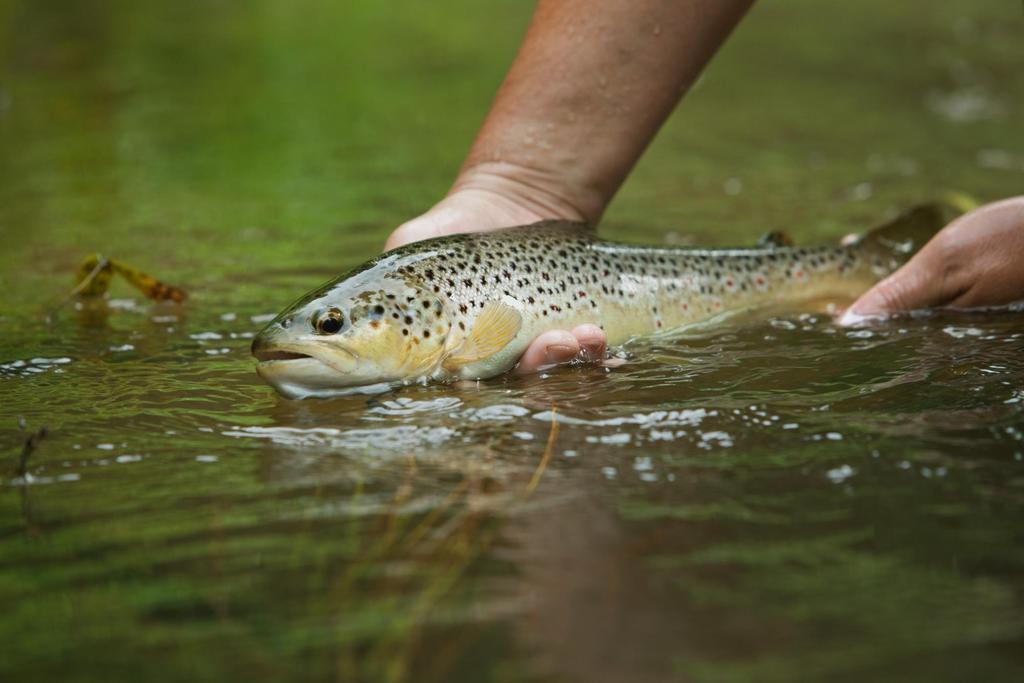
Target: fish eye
329	322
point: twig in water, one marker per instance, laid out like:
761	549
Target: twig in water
96	271
93	275
548	450
31	443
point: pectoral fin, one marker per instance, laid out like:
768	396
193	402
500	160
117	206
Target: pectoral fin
496	326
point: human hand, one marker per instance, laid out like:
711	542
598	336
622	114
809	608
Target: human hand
975	261
486	199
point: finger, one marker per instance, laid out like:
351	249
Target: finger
920	283
554	347
413	231
593	342
901	291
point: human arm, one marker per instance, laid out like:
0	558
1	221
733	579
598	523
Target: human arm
590	87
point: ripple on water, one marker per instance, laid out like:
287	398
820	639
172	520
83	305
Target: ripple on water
658	418
29	479
400	438
404	406
32	366
962	332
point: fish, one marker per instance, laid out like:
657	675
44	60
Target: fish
466	306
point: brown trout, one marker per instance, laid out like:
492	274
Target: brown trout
467	306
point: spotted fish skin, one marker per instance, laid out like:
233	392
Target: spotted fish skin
467	306
559	276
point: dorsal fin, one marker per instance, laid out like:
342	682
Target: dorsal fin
775	239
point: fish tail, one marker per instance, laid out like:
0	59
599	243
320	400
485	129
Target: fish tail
903	236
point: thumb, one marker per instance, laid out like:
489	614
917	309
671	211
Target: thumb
918	284
417	229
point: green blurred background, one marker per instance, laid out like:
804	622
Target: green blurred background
217	137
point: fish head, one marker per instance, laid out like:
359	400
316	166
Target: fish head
359	331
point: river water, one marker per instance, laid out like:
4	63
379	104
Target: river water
769	499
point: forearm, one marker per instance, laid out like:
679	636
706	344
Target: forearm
588	90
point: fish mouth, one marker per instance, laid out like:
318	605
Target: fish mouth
295	375
298	374
283	359
266	356
270	352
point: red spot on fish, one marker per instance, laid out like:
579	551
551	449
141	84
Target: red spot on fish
686	307
842	269
728	283
659	323
799	274
760	280
582	294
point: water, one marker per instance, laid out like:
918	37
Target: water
771	499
